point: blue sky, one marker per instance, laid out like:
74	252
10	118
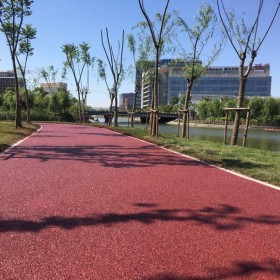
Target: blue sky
59	22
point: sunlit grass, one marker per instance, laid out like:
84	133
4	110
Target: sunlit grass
255	163
10	135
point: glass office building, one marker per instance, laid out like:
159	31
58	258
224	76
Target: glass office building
7	80
216	82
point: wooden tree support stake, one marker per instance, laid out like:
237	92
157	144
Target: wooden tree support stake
246	125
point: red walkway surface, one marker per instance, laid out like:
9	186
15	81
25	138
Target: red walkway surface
86	203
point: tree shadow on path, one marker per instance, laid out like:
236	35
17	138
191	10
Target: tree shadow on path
114	156
239	269
220	218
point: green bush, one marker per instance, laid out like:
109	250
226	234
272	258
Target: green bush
7	115
37	116
41	116
65	117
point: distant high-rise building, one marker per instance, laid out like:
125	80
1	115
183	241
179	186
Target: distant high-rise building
7	80
126	101
222	81
53	87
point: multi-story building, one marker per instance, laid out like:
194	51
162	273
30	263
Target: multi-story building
126	101
147	84
53	87
138	86
7	80
222	81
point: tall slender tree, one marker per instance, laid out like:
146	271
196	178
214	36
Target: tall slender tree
159	39
103	76
25	49
115	61
88	61
50	78
142	63
78	58
246	43
199	35
12	14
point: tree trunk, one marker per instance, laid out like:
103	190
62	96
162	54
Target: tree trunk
110	111
235	128
80	106
28	117
134	107
18	99
54	106
154	118
116	111
83	106
186	109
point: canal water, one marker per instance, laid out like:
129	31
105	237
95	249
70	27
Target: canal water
257	138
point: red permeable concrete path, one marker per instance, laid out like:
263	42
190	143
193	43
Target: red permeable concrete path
80	202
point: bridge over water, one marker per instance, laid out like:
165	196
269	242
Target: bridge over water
163	117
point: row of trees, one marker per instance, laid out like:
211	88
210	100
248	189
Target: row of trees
41	104
19	37
264	111
154	38
245	40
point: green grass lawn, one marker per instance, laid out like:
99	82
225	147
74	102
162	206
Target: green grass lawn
10	135
255	163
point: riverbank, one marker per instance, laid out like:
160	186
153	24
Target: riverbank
222	125
192	124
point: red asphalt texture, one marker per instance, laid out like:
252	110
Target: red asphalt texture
80	202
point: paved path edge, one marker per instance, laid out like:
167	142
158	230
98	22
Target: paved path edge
20	141
172	151
212	165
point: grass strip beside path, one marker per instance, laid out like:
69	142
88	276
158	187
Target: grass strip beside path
255	163
10	135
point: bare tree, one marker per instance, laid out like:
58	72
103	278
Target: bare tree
103	76
141	65
158	39
246	43
116	67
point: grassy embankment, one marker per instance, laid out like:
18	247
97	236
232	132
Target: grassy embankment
258	164
10	135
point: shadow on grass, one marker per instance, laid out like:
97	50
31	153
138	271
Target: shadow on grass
237	163
3	147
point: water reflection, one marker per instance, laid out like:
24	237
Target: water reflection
257	138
